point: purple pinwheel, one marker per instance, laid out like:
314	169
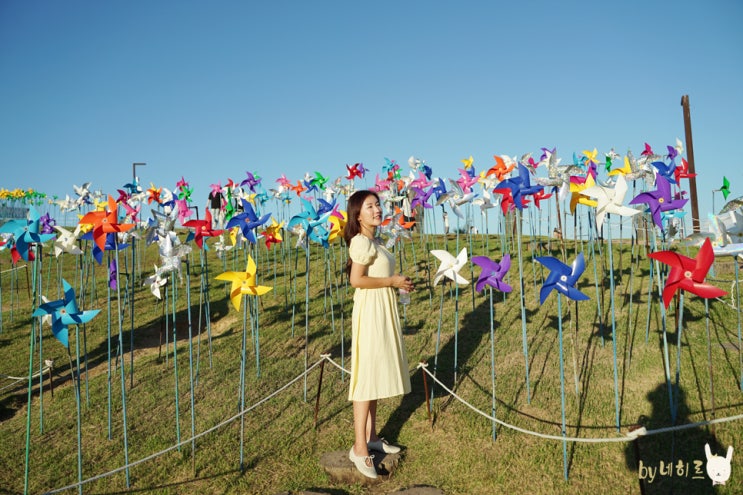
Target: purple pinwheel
659	200
64	312
26	232
562	277
421	197
251	181
520	186
492	273
247	221
47	223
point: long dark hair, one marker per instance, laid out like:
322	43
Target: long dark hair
353	227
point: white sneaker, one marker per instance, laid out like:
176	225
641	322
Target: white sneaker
360	463
381	445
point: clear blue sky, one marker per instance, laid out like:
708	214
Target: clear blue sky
210	90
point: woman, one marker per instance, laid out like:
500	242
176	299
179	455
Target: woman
379	366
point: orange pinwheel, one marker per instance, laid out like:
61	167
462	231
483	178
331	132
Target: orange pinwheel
153	194
202	228
407	225
500	169
105	222
299	188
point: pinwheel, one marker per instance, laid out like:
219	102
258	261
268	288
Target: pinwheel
688	273
159	224
46	224
338	220
105	222
381	184
83	193
243	283
609	200
221	247
394	227
283	181
299	188
390	166
648	151
421	198
590	157
110	243
468	162
492	273
66	241
520	186
540	196
251	181
202	228
450	266
666	170
609	158
25	233
154	282
272	234
500	169
466	181
682	172
65	312
659	200
555	177
325	206
66	204
153	194
183	210
171	253
562	278
132	214
355	170
319	180
725	188
312	223
309	184
248	221
421	182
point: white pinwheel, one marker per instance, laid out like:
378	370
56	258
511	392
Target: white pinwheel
66	241
155	282
610	200
450	266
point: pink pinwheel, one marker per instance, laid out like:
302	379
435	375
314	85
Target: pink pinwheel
381	184
283	181
492	273
648	151
687	273
202	228
466	181
659	200
64	312
105	222
183	210
181	184
131	213
421	182
562	277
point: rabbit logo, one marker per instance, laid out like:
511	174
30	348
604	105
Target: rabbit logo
718	467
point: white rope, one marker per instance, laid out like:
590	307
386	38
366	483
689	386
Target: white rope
185	442
630	436
22	378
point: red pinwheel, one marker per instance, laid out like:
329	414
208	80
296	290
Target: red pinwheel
648	151
541	196
562	277
105	222
65	312
492	273
660	200
356	170
202	228
687	273
682	171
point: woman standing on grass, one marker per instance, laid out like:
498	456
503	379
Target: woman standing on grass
379	366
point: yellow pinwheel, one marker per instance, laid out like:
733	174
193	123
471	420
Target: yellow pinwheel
337	223
468	162
591	156
578	197
626	169
243	283
272	234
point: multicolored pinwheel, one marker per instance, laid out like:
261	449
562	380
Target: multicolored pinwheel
65	312
562	277
492	273
520	186
688	273
243	283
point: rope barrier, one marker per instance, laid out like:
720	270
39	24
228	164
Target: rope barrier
185	442
631	436
15	379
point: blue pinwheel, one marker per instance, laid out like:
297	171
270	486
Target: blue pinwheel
65	312
26	232
562	277
666	170
325	206
492	273
520	186
247	221
312	223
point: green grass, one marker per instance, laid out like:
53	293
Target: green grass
458	455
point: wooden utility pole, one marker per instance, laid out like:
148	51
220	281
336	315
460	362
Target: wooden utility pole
690	160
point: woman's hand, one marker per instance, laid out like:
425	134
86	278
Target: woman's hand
402	282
